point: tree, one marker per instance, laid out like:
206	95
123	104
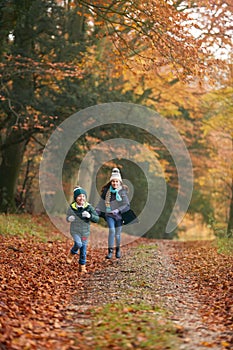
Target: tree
158	33
24	78
218	128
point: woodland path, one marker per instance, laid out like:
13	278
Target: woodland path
156	275
46	304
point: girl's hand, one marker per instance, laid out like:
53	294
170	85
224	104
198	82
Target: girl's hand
115	211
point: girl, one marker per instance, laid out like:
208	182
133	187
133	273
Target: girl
114	201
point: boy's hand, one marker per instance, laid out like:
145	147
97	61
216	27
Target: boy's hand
71	218
86	214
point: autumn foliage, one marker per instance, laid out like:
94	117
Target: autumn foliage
36	287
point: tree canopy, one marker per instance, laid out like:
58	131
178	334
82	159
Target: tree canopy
58	57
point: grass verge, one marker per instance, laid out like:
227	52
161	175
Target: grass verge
136	326
225	245
24	225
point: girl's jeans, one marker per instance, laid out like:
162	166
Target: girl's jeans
115	227
80	243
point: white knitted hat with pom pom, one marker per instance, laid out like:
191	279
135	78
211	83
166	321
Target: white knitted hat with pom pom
116	175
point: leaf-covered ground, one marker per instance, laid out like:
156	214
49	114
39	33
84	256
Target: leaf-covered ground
209	276
159	292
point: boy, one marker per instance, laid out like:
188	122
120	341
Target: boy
80	213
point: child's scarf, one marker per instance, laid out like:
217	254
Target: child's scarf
118	197
108	197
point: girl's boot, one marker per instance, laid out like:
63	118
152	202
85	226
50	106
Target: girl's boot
118	252
110	251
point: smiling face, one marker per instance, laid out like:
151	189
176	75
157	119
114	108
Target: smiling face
81	199
115	183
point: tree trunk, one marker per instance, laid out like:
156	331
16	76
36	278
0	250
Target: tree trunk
230	220
13	142
12	156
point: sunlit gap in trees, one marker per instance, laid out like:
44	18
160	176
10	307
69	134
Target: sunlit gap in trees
202	27
11	37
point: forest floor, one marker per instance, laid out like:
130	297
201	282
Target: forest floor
160	295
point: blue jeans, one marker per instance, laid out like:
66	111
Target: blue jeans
115	227
80	243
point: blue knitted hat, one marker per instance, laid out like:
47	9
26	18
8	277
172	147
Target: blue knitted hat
78	191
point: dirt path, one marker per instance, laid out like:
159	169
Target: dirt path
179	298
148	275
46	304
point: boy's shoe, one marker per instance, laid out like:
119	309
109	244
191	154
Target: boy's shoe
82	268
70	258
